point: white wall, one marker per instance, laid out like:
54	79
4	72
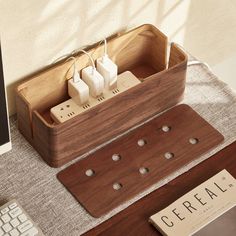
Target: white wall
36	32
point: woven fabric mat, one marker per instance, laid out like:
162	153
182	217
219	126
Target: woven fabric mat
25	177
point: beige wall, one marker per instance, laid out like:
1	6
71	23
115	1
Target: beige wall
36	32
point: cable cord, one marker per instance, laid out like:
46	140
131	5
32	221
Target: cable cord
91	59
196	62
74	64
74	59
105	46
61	58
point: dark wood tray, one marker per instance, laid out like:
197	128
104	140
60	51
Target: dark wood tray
136	161
133	221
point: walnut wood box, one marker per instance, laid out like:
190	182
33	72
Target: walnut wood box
143	51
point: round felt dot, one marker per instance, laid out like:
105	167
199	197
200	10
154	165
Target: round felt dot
90	172
193	140
117	186
116	157
142	142
165	128
143	170
169	155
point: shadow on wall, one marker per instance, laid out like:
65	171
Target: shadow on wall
205	28
212	28
35	33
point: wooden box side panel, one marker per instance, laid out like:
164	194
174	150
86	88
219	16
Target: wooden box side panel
176	56
24	117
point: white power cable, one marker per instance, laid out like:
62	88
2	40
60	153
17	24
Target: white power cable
196	62
91	59
74	70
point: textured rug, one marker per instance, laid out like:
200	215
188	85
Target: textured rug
24	175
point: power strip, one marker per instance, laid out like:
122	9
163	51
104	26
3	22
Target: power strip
70	109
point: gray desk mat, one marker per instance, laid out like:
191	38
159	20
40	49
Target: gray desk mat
24	175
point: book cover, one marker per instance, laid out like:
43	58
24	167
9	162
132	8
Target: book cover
209	209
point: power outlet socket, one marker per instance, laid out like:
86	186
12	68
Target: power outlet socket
69	109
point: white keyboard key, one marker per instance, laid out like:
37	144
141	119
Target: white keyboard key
13	205
25	226
15	222
5	210
6	218
31	232
7	227
14	232
22	218
15	212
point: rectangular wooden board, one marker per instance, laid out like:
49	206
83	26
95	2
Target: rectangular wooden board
139	159
133	221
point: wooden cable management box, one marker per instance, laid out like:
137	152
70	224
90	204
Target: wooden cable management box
143	51
129	165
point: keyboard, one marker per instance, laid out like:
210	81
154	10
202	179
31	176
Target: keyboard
14	221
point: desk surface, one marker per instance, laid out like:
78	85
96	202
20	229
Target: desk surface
136	216
24	175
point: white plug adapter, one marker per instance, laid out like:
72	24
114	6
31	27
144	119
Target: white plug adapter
109	70
78	90
94	80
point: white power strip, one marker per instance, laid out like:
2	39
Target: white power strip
69	108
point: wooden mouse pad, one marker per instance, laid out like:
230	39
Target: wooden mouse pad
132	163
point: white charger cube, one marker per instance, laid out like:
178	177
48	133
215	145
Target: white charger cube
109	70
94	80
78	91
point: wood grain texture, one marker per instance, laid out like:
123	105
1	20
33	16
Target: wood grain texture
96	192
141	51
133	221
